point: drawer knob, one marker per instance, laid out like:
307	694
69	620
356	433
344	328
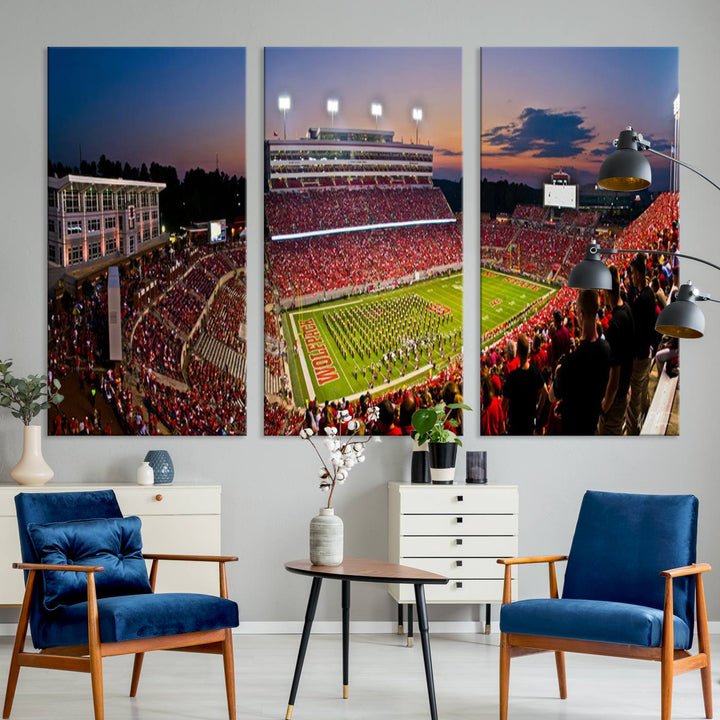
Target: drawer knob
458	541
458	563
459	519
460	498
158	497
458	585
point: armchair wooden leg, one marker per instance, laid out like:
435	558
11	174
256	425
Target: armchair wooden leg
229	665
137	667
560	665
96	676
504	675
96	672
19	645
704	645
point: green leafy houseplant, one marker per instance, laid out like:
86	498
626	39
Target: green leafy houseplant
26	397
429	423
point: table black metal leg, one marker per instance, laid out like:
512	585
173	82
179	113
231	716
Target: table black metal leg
346	635
487	618
400	629
309	615
410	637
425	640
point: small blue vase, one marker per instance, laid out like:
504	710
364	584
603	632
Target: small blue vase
162	466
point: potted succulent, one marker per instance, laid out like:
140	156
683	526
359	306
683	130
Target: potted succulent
431	427
26	398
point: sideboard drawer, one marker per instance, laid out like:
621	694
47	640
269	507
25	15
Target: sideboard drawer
457	546
473	568
459	499
159	500
456	591
458	525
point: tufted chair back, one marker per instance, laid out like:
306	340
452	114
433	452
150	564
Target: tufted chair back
44	508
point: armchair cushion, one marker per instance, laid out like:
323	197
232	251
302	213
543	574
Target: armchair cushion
113	543
598	620
138	616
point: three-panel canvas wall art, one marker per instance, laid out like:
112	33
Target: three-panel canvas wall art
362	241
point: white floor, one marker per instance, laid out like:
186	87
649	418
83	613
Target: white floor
387	682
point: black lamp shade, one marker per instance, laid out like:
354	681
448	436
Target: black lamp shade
627	169
681	319
590	273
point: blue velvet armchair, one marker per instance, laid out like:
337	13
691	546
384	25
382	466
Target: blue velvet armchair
88	595
630	582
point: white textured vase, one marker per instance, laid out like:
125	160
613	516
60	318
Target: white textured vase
326	538
32	468
145	474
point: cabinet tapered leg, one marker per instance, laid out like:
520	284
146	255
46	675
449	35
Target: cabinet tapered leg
410	636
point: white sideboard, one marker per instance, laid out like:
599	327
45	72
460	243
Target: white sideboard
455	530
176	518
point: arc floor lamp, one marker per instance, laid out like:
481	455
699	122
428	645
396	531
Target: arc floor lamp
628	170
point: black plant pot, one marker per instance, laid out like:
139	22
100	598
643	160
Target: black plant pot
420	467
442	462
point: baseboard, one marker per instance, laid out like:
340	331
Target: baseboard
294	627
334	627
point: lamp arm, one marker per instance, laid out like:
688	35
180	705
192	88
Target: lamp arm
680	162
615	251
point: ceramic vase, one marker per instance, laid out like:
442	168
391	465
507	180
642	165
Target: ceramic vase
326	538
442	462
420	466
162	466
145	474
32	468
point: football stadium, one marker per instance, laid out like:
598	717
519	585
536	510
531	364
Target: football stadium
527	257
146	330
363	282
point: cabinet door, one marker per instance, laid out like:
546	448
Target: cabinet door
12	584
184	535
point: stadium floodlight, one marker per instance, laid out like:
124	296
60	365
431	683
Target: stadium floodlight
417	117
681	318
376	112
284	106
628	170
333	106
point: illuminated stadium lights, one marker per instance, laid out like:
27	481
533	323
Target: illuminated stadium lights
376	112
356	228
333	106
417	117
284	106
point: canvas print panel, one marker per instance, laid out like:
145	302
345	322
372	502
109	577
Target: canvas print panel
556	360
363	236
146	240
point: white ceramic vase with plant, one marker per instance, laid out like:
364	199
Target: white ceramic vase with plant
326	528
26	398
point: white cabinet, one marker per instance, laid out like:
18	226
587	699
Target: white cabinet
180	519
458	531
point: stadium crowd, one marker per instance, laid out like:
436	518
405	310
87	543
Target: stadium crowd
313	210
583	345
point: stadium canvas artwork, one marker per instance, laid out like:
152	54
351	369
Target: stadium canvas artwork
146	240
363	236
557	360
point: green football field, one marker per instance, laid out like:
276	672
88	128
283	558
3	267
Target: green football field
336	349
504	296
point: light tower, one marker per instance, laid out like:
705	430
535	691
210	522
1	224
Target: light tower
333	106
376	112
417	117
284	106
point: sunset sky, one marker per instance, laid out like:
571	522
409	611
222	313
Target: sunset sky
550	108
174	106
398	78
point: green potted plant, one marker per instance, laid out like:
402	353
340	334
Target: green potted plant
26	398
430	427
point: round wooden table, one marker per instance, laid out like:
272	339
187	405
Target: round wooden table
363	570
